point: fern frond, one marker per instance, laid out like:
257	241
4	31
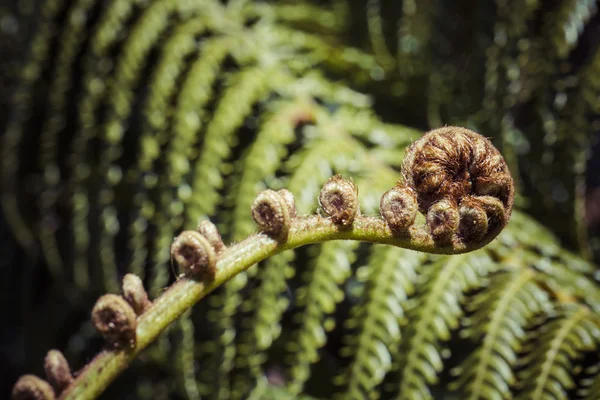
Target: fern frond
71	39
262	326
302	15
184	355
96	68
14	135
245	89
591	386
265	156
318	299
377	183
571	332
437	312
318	52
389	277
120	97
501	316
157	137
188	113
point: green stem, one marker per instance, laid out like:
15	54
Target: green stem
93	379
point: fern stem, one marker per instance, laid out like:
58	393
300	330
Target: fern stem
184	293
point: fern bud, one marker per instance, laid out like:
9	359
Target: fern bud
194	255
458	165
473	220
289	200
339	199
135	294
114	318
57	370
30	387
443	220
399	207
211	233
497	214
272	213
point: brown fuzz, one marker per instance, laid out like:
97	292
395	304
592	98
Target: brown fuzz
473	221
459	165
272	214
443	220
495	211
57	370
114	318
289	200
135	294
30	387
398	207
339	199
194	255
211	233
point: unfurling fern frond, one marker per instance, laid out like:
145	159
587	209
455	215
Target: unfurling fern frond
138	119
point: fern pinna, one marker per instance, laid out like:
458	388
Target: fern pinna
137	120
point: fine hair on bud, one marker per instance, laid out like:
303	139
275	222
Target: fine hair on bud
211	233
272	214
194	255
339	200
115	320
443	220
473	221
398	207
454	165
496	212
289	200
135	294
57	370
30	387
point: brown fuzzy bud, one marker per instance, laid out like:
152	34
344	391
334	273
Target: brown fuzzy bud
114	318
339	199
443	220
473	220
194	255
30	387
272	214
289	200
135	294
399	207
456	164
495	211
57	370
211	233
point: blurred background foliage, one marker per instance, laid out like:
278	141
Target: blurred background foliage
125	121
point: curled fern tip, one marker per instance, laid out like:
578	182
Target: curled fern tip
339	200
30	387
273	213
461	182
114	319
135	294
194	255
57	370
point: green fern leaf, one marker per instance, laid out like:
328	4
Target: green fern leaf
501	316
572	331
